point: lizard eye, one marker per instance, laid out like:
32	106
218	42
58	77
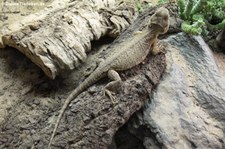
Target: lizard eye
165	17
157	14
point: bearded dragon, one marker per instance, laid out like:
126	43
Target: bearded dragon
124	56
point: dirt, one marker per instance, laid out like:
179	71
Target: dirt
19	102
18	75
26	94
13	10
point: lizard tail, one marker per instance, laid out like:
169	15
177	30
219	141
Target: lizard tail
86	83
67	102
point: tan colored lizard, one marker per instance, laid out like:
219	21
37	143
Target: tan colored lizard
125	56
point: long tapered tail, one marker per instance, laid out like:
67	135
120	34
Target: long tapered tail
95	76
73	95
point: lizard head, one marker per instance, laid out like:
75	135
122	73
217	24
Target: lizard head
160	20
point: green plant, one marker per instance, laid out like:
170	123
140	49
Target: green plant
201	16
162	1
141	5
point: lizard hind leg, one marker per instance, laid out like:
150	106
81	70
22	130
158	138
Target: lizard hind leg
113	85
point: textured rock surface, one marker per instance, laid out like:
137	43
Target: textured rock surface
187	109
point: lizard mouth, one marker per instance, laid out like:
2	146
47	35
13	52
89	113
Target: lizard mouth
158	21
158	25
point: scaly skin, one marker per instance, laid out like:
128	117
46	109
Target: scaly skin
124	57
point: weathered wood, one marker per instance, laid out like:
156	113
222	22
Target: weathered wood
61	40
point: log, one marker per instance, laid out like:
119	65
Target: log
60	40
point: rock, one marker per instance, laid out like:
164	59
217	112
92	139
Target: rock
187	109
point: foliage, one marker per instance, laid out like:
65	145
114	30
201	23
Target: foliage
200	16
162	1
141	5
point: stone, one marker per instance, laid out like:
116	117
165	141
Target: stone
187	109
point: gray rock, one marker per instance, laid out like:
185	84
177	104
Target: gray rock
187	110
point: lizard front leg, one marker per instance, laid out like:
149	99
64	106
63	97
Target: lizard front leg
113	85
155	49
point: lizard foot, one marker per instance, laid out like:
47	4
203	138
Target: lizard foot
113	85
108	93
162	45
159	48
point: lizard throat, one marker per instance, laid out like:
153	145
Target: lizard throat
156	29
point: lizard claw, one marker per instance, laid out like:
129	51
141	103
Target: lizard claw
108	93
162	45
159	48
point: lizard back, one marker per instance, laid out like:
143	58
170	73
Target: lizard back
134	52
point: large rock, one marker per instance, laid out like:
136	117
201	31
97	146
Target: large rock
188	108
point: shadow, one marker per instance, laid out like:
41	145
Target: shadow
21	68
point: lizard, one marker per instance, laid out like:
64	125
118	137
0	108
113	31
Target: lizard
124	57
